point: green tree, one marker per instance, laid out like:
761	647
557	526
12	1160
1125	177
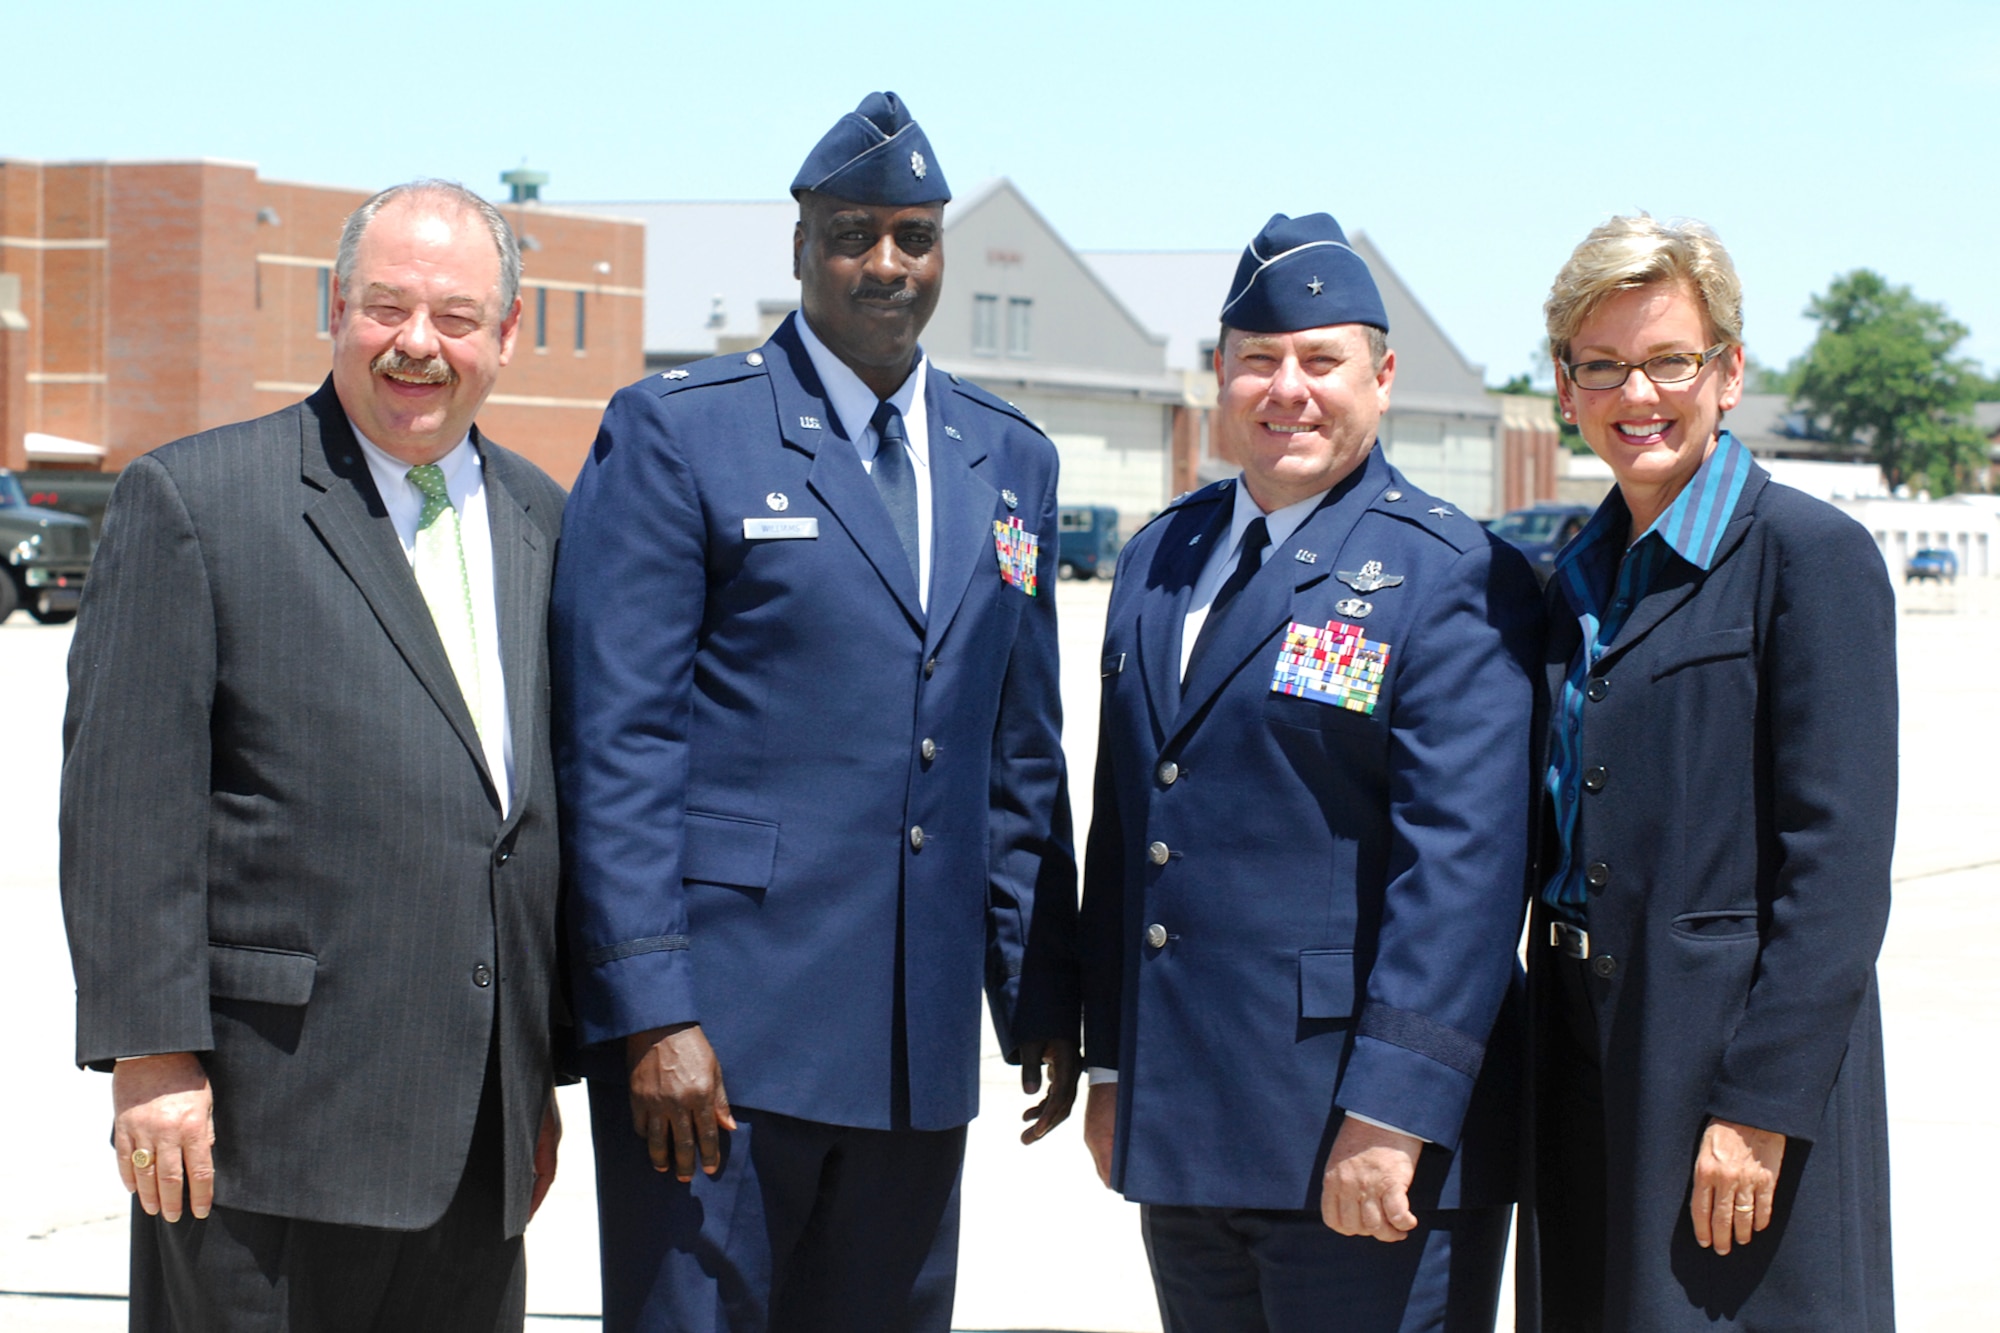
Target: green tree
1882	373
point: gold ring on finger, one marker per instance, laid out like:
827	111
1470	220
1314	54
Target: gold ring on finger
1746	1207
142	1159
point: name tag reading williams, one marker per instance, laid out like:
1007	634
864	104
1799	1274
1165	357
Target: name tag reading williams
779	529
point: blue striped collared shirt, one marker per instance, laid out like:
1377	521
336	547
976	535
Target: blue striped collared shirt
1601	589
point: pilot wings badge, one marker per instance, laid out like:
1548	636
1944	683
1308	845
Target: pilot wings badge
1370	578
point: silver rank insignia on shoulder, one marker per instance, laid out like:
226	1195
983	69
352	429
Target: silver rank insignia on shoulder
809	423
953	432
1442	511
778	501
754	359
1012	500
1353	608
1369	578
675	374
1305	557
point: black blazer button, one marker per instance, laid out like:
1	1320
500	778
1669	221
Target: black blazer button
506	854
1597	874
482	976
1597	689
930	668
1604	965
1593	779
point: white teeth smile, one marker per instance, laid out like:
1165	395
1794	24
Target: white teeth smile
1290	430
1641	430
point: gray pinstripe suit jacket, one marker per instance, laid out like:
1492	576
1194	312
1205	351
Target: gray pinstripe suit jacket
280	845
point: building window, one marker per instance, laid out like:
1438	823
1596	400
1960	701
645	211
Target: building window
1019	308
325	324
579	320
541	319
986	324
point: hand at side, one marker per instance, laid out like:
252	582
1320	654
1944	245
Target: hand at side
678	1103
161	1106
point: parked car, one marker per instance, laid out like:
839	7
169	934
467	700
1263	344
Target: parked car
1540	532
1933	562
1087	541
45	554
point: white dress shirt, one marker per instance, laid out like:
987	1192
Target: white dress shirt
854	403
465	484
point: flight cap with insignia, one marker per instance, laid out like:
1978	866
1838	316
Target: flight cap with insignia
875	154
1300	273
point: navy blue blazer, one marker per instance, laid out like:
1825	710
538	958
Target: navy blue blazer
1338	893
1743	728
789	790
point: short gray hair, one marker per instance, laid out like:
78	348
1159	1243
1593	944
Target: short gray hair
445	196
1622	254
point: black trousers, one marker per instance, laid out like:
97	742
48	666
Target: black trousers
1570	1184
1249	1270
241	1272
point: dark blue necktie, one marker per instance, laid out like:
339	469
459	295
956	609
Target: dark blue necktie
1256	537
896	480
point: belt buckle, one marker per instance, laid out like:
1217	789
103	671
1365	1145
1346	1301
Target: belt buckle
1570	941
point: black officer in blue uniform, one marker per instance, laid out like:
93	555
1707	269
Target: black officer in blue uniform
1305	875
813	789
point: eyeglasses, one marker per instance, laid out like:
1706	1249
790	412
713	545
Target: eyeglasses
1669	368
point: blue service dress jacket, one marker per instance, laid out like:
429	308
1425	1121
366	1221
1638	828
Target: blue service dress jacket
1742	725
1294	907
805	812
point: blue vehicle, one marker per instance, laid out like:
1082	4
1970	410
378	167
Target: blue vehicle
1087	541
1933	562
1540	532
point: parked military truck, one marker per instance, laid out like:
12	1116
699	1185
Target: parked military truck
71	490
45	554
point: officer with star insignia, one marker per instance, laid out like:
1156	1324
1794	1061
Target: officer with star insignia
1304	880
813	789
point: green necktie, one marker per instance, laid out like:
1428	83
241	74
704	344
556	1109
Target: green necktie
447	587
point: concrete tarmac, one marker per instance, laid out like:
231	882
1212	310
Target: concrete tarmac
1044	1247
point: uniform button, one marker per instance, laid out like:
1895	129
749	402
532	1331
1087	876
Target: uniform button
755	358
1157	853
1593	779
1597	874
482	975
928	749
916	837
930	668
1392	495
1170	773
1604	965
1156	935
1597	689
505	855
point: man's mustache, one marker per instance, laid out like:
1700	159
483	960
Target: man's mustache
900	294
430	370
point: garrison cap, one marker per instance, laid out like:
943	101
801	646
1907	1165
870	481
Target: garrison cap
1300	273
875	154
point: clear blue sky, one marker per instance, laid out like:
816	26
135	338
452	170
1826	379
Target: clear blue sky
1474	142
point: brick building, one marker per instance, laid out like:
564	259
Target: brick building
150	300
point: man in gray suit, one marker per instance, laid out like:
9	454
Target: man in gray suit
309	855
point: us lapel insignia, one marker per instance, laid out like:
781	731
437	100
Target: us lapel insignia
1369	578
1011	500
952	431
1305	557
675	374
1017	548
778	501
809	423
1334	663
